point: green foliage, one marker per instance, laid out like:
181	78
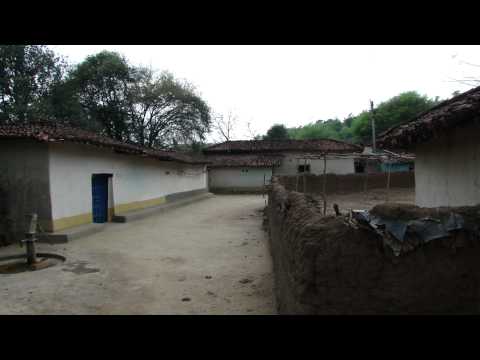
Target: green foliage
277	132
135	104
392	112
28	74
166	111
101	84
104	93
332	129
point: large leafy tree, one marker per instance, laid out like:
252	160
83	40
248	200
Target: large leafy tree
28	77
65	107
277	132
101	86
134	104
103	93
332	129
394	111
166	112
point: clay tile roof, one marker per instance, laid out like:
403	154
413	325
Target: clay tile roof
260	146
54	132
240	160
457	111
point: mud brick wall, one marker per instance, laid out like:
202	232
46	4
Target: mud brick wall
338	184
324	266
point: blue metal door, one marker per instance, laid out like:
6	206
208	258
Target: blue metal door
100	198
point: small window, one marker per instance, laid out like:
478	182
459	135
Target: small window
304	168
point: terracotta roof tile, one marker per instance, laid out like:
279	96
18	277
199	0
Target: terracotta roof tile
260	146
247	160
53	132
457	111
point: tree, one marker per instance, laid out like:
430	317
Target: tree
394	111
166	112
104	93
277	132
65	107
101	85
252	134
331	129
134	104
28	75
358	128
225	126
347	122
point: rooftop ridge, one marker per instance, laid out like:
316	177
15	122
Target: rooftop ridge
434	108
322	144
47	131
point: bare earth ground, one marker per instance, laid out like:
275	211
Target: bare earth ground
209	257
366	201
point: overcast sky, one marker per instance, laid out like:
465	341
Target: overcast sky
295	85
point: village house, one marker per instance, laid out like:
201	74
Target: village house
71	177
446	142
247	165
384	161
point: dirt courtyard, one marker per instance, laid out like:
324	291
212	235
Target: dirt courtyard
209	257
369	199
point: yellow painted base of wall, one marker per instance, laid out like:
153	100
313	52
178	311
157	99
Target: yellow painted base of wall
71	221
82	219
137	205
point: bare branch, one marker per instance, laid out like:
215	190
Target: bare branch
251	132
225	126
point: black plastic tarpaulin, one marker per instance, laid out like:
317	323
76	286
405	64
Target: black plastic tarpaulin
417	230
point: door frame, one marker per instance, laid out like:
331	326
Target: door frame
106	176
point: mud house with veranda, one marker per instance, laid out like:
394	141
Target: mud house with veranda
71	177
446	141
246	165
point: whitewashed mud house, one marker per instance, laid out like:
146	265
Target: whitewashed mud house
446	141
246	165
72	177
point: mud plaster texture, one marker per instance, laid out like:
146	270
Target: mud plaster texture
213	253
324	266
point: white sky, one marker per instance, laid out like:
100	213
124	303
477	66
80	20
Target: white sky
295	85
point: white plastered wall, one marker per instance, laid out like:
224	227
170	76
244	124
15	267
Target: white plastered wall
134	178
335	165
236	178
447	170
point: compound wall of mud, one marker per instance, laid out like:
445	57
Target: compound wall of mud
338	184
324	266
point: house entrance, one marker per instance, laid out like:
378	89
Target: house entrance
100	197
